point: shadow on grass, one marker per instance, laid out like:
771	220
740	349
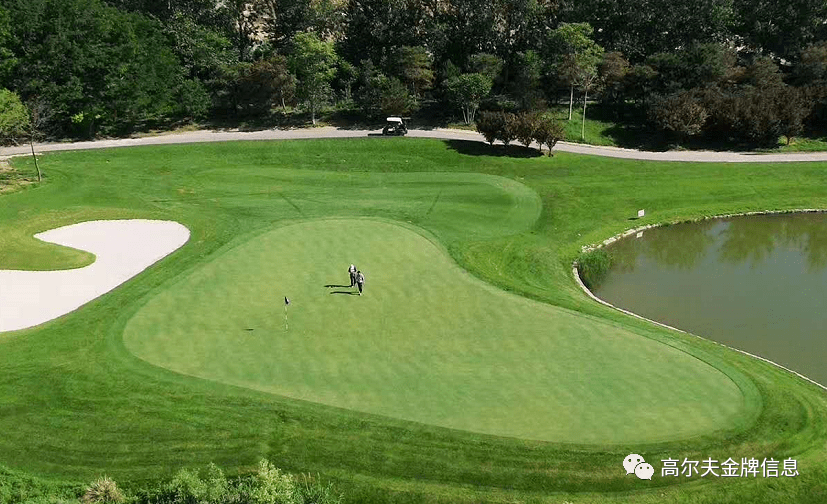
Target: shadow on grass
473	148
349	293
338	286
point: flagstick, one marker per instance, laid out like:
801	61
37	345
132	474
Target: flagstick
285	317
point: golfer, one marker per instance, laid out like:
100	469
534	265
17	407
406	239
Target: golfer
352	271
360	281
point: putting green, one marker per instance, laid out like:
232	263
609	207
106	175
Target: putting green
426	342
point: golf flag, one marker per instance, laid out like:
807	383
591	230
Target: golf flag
286	301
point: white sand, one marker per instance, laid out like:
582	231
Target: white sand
123	248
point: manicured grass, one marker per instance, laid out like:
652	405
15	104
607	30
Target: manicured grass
425	342
597	131
75	402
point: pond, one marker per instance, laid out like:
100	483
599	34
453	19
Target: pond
756	283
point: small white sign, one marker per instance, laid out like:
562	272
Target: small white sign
640	213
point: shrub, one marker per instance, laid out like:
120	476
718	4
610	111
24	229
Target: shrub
680	113
593	266
548	132
103	491
508	133
526	125
273	486
489	125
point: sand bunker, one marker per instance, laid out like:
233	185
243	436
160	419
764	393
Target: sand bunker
123	248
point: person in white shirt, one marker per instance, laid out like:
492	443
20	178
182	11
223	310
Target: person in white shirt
352	271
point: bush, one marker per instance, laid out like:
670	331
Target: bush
103	491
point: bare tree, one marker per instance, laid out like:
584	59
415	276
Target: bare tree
39	113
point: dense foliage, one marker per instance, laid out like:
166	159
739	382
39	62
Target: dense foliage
111	66
266	485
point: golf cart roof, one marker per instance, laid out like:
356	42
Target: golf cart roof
395	119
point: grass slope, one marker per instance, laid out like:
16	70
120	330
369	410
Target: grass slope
75	402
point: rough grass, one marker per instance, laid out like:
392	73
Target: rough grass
75	402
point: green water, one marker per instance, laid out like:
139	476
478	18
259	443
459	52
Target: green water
756	283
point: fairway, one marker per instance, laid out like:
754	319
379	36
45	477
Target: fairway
426	342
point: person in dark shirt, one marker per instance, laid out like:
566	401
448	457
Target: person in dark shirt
360	281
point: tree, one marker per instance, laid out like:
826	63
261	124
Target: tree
242	19
793	107
313	63
575	56
526	83
645	27
613	70
99	69
395	98
782	29
486	64
264	83
414	66
346	76
281	19
39	113
201	50
14	118
587	80
466	91
373	26
811	66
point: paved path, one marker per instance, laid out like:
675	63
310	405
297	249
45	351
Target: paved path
331	132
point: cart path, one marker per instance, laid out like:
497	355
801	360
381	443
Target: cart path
441	133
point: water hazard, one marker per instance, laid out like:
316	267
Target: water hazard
756	283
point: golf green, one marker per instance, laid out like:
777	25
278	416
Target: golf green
426	342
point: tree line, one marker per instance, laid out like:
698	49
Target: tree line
748	70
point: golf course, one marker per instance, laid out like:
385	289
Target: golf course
473	368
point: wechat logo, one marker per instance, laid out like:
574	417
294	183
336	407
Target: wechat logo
634	463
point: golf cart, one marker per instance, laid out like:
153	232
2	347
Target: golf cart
395	126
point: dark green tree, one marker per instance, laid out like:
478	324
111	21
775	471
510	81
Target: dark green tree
486	64
413	65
